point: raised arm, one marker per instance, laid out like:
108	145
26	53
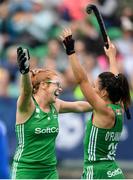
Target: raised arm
24	100
81	77
111	54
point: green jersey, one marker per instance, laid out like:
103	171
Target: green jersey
36	141
101	144
100	149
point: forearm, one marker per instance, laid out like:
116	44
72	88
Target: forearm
26	85
78	70
77	106
80	75
113	67
24	99
111	54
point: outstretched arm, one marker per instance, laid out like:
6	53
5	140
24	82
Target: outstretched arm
111	54
77	106
81	77
24	100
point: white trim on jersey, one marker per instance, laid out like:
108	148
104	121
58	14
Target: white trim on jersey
92	144
20	149
89	174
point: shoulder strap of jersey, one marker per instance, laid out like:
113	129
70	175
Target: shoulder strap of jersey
114	106
118	113
53	108
34	101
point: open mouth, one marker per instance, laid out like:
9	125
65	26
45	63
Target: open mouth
56	93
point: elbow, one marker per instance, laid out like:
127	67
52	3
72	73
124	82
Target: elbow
81	80
78	81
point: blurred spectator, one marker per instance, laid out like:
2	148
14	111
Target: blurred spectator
53	48
7	89
91	66
34	62
125	46
52	3
4	82
50	63
71	10
80	49
103	62
108	10
4	161
91	37
10	63
41	21
69	84
4	9
4	23
128	13
20	5
56	54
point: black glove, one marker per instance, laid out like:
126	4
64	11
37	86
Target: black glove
69	45
23	60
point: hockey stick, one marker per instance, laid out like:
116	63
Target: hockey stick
89	9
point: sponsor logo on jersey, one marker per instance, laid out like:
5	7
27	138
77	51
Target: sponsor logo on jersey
37	110
37	113
48	118
118	112
37	116
55	116
46	130
114	172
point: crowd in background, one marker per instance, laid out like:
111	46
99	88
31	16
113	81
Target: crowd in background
36	24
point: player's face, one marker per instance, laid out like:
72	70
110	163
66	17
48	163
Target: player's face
97	89
54	88
95	86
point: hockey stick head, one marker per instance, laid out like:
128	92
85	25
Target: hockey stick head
90	8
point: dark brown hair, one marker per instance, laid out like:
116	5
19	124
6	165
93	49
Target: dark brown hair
117	87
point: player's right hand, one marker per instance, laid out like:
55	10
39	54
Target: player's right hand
68	41
23	58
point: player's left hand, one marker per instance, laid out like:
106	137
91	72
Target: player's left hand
111	50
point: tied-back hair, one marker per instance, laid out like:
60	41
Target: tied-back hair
39	75
118	89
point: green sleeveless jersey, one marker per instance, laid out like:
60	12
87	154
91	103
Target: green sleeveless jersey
101	144
36	140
